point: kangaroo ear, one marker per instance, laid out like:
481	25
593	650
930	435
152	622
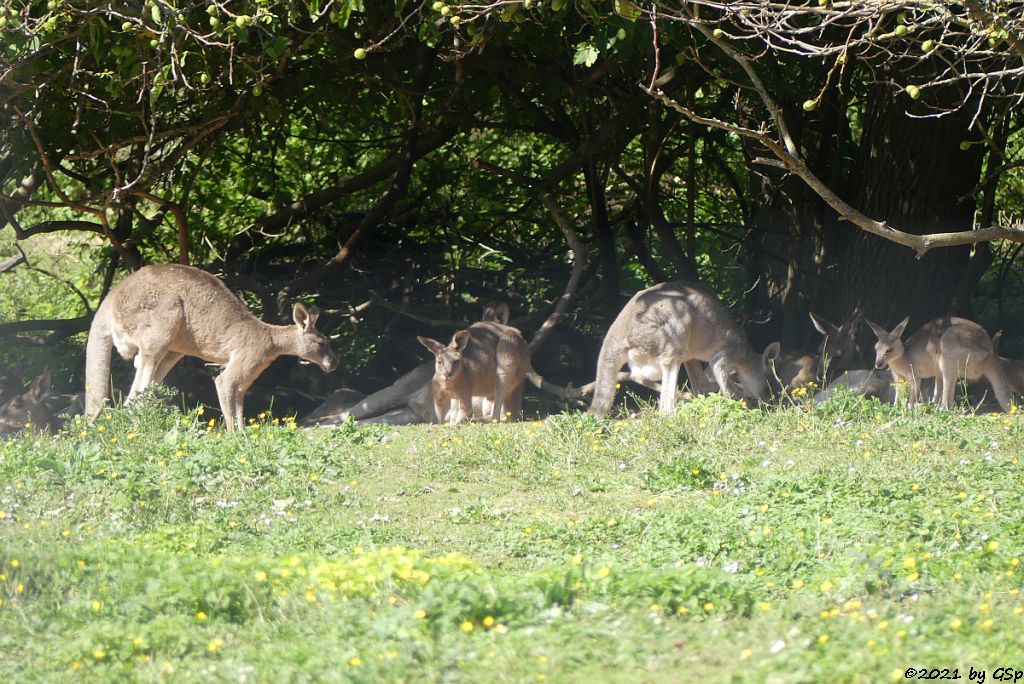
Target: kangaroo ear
496	312
879	331
460	340
40	386
771	352
434	346
824	327
314	313
898	330
996	339
300	314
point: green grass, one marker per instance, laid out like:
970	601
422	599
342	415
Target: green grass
845	543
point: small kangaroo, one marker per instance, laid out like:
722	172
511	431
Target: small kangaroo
946	349
667	325
160	313
29	411
837	353
1013	368
488	359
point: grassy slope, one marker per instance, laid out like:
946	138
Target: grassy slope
849	542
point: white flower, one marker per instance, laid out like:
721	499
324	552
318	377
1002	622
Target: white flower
777	646
731	568
765	463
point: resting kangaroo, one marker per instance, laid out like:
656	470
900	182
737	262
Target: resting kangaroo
29	411
837	352
663	327
946	349
488	359
160	313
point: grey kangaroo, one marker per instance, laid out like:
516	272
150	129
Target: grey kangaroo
160	313
946	349
667	325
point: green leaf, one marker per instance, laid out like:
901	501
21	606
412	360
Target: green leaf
627	10
586	54
558	5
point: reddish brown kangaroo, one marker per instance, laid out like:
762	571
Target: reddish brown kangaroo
160	313
488	359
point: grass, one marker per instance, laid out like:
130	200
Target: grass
847	542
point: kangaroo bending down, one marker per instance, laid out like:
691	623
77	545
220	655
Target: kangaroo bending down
946	349
29	411
488	359
160	313
663	327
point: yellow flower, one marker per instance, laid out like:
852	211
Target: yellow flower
261	576
577	559
764	606
137	641
200	616
15	563
99	654
466	626
420	614
992	545
955	623
826	586
822	638
355	661
682	610
95	606
215	645
909	562
798	584
745	653
487	622
709	607
603	571
654	608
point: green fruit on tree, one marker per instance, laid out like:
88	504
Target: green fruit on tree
527	4
127	26
3	22
928	46
437	5
213	10
965	145
204	78
914	92
359	53
718	33
214	22
154	43
241	21
257	90
810	105
445	10
456	20
901	30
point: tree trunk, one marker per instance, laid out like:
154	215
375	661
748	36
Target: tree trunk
912	173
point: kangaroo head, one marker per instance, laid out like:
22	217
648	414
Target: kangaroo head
890	344
755	369
311	344
447	359
29	410
839	343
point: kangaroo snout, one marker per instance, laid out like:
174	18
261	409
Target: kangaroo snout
329	364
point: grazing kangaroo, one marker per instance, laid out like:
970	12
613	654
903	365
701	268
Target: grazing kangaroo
29	411
837	353
663	327
946	349
160	313
488	359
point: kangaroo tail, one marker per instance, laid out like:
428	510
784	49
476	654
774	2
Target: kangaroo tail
564	393
97	361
